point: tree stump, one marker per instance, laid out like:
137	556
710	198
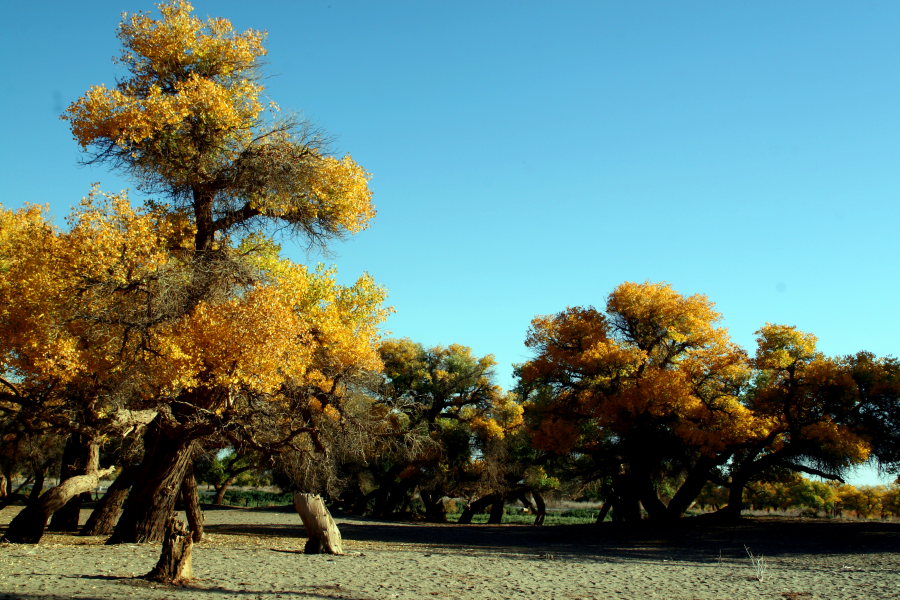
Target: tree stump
175	565
322	531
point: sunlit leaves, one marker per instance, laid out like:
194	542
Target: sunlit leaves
93	308
189	119
782	346
656	357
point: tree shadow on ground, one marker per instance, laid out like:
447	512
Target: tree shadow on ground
687	540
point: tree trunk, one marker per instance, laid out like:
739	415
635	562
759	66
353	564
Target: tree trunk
435	512
732	511
76	456
692	486
28	526
496	516
541	509
223	487
626	502
37	487
604	510
191	499
656	510
477	507
322	531
167	456
175	564
103	519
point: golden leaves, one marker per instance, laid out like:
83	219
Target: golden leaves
131	120
783	346
657	357
155	49
655	317
298	327
190	116
84	305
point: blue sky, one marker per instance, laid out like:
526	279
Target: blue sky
530	156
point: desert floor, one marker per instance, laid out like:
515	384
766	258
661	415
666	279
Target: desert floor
257	554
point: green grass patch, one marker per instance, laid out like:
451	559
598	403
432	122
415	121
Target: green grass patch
553	517
250	498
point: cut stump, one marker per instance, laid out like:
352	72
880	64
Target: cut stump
322	531
175	565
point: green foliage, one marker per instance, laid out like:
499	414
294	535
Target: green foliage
250	498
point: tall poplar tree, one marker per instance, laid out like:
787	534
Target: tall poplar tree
189	121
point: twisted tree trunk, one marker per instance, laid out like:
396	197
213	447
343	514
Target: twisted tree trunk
191	499
105	515
151	502
478	507
541	509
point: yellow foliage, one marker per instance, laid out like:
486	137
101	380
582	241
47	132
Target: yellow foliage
657	357
189	116
782	346
74	311
656	318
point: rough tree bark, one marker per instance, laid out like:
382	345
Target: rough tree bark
191	499
75	458
105	515
322	531
167	457
28	526
175	564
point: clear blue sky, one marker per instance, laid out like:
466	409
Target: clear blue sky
528	156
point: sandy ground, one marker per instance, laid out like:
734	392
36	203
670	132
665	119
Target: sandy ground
256	554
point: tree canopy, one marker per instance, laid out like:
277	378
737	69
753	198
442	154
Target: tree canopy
656	400
189	120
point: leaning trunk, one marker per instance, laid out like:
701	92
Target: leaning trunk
322	531
223	487
37	487
105	515
28	526
692	486
496	516
167	456
604	510
76	456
